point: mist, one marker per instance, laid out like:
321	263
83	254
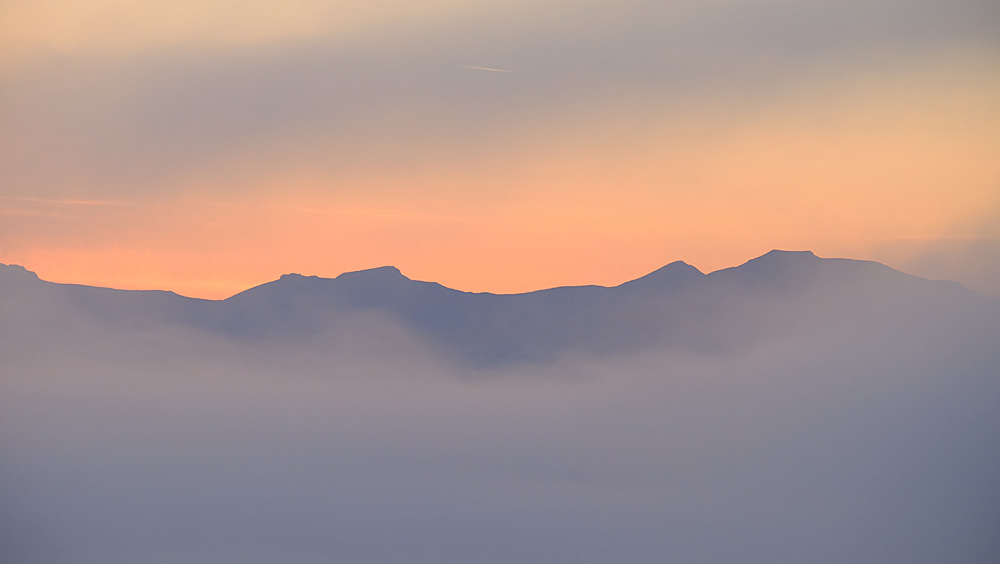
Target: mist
843	441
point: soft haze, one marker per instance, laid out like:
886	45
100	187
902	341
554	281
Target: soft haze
208	146
794	409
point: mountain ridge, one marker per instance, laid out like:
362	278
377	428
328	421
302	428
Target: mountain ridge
673	272
778	295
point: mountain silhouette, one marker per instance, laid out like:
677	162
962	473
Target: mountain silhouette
790	409
779	294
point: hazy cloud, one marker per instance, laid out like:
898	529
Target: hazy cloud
865	437
832	453
130	125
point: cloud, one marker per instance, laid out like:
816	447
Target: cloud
118	29
162	446
173	112
61	202
484	68
973	261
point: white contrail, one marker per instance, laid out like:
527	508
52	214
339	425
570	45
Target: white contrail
484	68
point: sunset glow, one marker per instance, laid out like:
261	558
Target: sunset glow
499	147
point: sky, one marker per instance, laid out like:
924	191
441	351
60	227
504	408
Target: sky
208	146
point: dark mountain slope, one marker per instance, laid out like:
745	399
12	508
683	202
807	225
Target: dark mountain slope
26	299
779	294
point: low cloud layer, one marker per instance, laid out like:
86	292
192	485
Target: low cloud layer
841	444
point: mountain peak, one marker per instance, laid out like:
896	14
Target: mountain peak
778	270
780	259
789	255
674	274
383	273
678	266
378	273
16	272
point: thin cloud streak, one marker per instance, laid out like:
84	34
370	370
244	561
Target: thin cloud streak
66	201
28	213
484	68
387	214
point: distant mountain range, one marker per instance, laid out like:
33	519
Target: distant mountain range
779	294
790	409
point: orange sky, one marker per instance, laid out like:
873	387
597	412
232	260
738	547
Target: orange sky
182	159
